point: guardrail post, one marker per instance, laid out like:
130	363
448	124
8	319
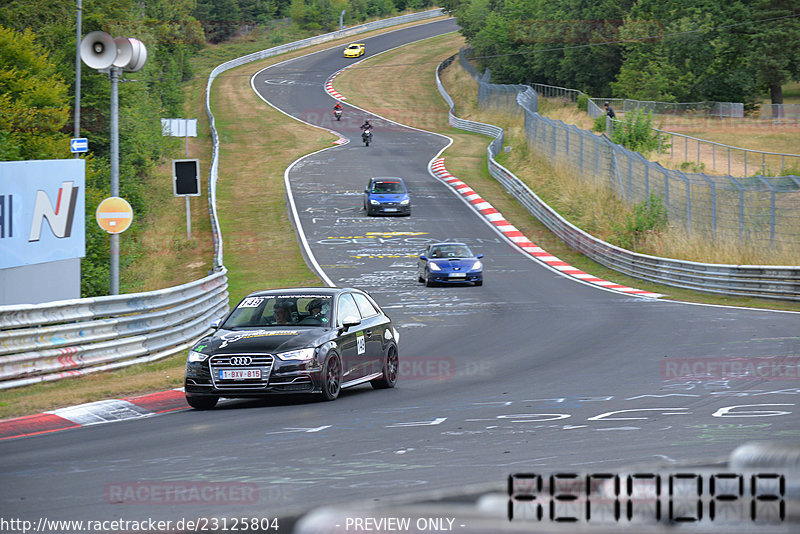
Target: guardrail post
771	210
688	202
713	187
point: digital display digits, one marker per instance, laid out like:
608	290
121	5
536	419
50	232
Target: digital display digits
679	497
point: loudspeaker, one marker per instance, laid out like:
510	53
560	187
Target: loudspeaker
124	52
138	55
98	50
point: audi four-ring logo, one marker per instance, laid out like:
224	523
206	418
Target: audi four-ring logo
241	360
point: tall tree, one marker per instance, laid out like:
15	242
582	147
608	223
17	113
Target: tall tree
775	44
34	104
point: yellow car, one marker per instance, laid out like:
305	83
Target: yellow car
355	50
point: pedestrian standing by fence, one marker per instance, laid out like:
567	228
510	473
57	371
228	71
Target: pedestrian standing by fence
610	111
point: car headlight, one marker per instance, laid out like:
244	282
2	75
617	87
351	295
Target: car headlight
297	355
405	202
433	267
477	266
374	202
195	356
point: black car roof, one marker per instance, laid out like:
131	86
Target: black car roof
332	291
385	179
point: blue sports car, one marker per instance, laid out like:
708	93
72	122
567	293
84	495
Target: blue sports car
449	263
387	196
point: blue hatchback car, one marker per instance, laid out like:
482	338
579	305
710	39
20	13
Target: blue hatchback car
449	263
386	196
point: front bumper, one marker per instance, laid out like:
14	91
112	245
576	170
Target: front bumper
446	278
276	377
389	209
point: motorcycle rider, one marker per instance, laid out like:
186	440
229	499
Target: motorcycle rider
337	110
366	129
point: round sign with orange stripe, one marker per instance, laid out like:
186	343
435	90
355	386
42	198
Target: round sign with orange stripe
114	215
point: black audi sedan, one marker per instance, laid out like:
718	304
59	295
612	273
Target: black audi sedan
303	340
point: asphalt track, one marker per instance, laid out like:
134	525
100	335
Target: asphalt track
532	371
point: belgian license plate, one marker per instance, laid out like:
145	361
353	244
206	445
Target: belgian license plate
239	374
389	209
458	275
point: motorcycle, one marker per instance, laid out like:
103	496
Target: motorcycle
366	136
338	114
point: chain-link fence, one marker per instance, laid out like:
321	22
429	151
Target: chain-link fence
755	210
685	149
780	112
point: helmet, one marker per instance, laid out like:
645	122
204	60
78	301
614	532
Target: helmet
283	305
316	303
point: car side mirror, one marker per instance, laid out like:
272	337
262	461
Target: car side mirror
350	321
423	257
215	323
479	256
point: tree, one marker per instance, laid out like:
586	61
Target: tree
34	104
775	45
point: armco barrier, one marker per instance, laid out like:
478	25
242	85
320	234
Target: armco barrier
44	342
777	282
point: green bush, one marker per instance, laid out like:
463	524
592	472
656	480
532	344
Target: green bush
692	166
649	216
583	102
635	132
599	124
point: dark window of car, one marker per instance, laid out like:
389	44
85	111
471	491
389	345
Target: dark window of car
347	307
365	306
451	251
260	311
388	187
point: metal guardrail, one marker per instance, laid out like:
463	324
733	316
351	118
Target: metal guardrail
777	282
70	338
44	342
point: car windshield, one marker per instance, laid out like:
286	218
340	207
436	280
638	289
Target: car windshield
353	47
280	311
388	187
451	251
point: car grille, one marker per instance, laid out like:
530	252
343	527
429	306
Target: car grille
222	362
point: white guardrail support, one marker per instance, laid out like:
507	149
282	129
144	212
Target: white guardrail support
765	281
70	338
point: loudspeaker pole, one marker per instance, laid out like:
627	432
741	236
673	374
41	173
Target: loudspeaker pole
102	52
113	75
78	77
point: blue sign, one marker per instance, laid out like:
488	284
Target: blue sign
42	211
79	144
